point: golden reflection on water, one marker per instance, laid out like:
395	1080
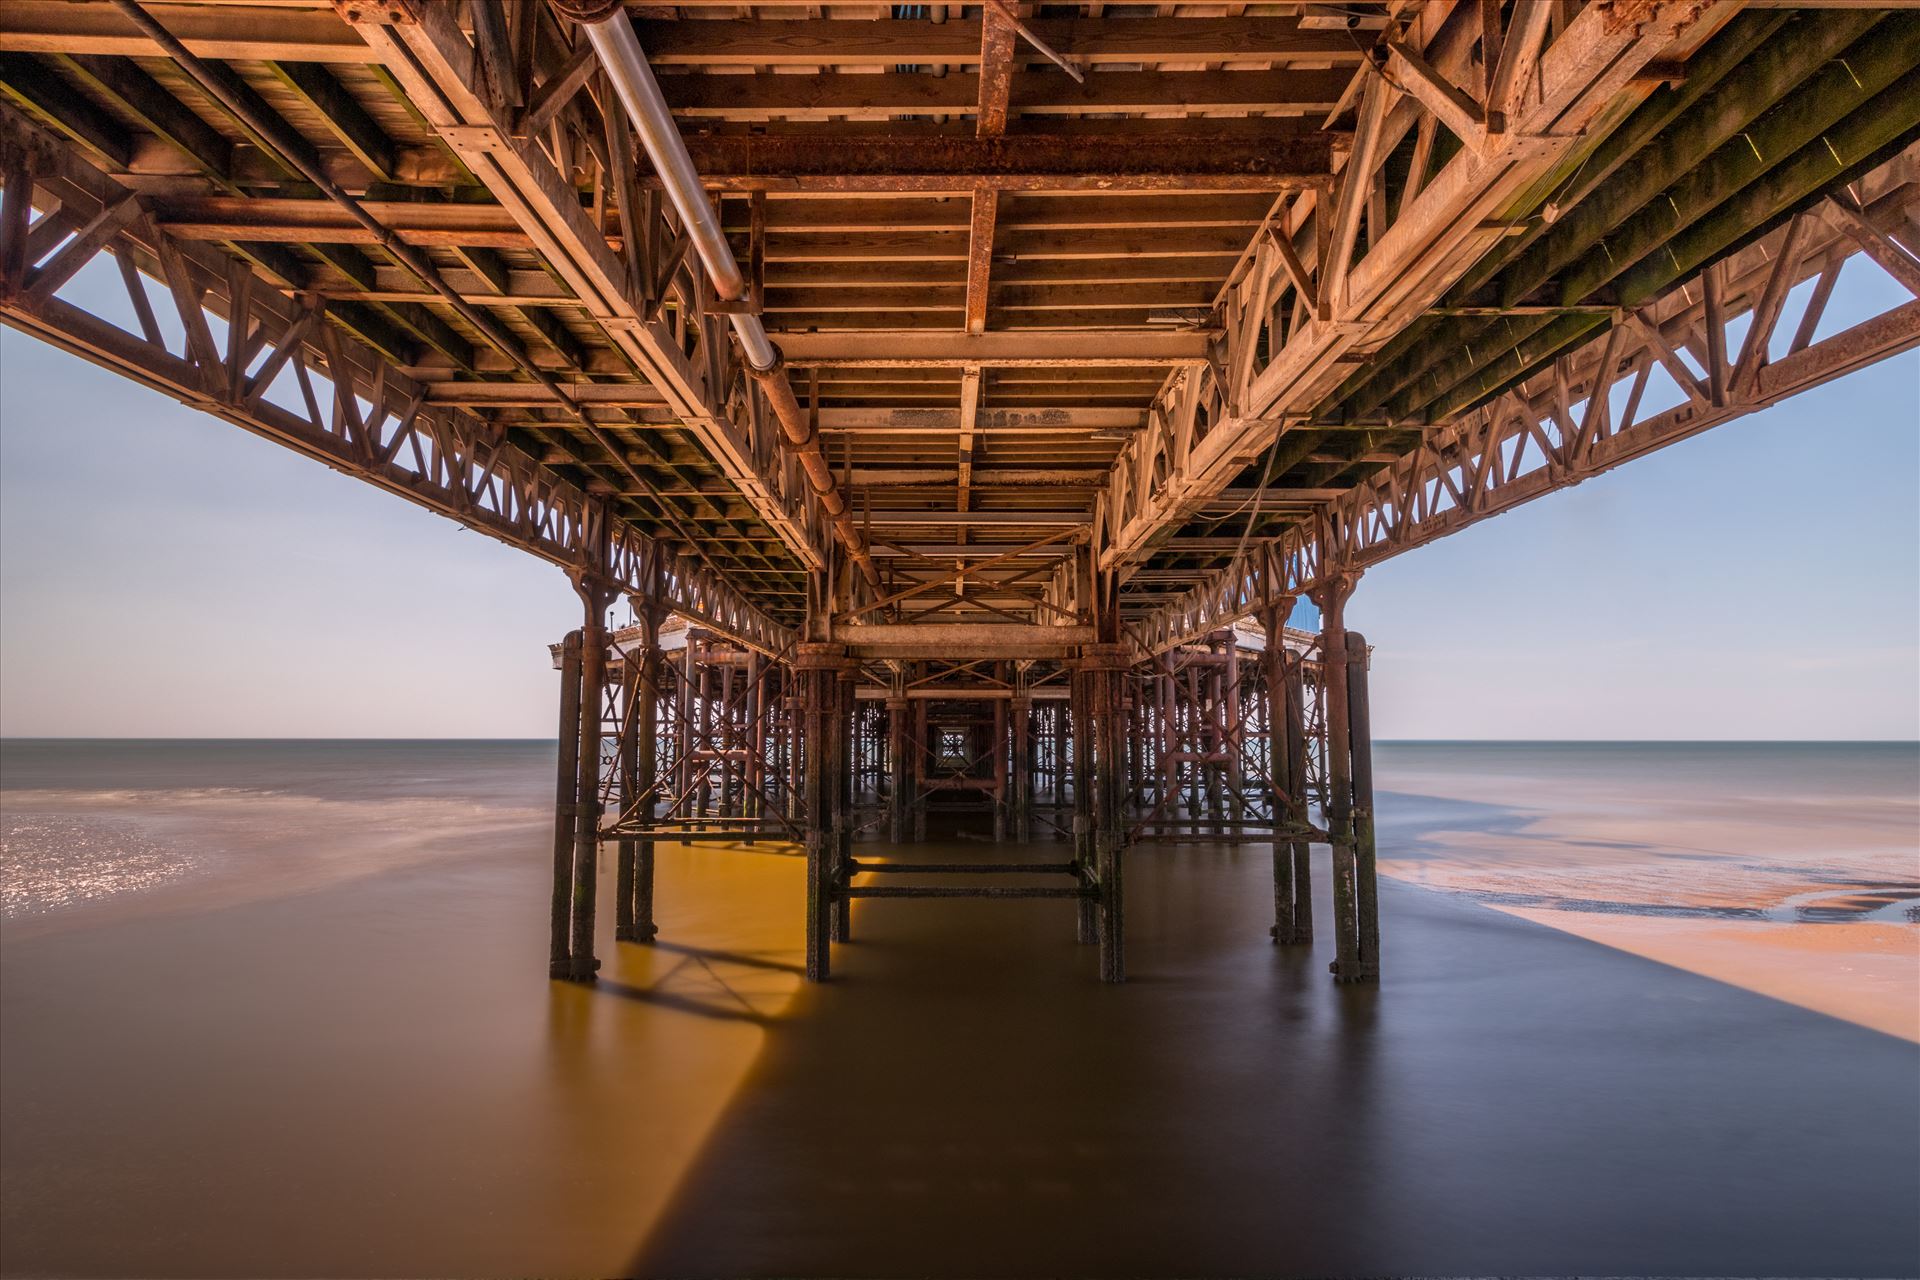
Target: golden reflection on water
374	1077
672	1028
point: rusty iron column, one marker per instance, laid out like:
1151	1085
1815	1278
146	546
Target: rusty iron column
640	795
844	706
1084	861
566	790
919	771
627	769
1366	902
755	796
594	598
704	730
1213	745
1020	711
687	706
899	734
816	667
793	697
1002	798
1236	733
1331	597
1105	669
1298	744
1287	759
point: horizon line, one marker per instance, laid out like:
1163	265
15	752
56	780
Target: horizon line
12	738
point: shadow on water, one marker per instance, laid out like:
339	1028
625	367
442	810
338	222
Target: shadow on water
742	1011
965	1099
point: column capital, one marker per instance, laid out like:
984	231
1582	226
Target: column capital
1330	595
1104	657
814	655
1276	611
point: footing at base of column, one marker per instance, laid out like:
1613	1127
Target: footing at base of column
1354	971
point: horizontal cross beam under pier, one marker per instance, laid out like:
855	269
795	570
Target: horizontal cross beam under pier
904	160
966	891
915	348
961	640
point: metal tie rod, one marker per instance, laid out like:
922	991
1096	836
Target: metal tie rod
965	868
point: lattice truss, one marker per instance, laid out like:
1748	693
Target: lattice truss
699	742
1737	337
274	364
1227	741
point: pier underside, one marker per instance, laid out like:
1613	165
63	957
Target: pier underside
962	397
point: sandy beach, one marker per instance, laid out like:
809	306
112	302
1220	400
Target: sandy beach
1807	892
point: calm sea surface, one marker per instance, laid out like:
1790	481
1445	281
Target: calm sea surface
279	1008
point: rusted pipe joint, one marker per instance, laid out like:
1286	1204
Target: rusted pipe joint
778	366
590	12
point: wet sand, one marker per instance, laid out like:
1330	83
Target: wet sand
307	1065
1792	870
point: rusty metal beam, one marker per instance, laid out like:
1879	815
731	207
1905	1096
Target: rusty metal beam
748	42
909	349
911	160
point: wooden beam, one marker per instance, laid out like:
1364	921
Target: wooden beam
1443	99
853	96
33	85
986	213
744	42
997	35
909	349
342	113
226	32
960	640
969	418
912	160
164	115
1009	478
946	420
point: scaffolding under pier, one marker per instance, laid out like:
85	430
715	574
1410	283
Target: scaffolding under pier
1246	735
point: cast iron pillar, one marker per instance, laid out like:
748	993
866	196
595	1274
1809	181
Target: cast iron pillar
816	669
594	598
1020	709
566	788
844	706
1287	761
1350	964
899	761
639	764
1104	673
1366	901
1079	709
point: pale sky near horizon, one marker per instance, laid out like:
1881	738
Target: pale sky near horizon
164	574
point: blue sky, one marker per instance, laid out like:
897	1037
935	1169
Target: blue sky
165	574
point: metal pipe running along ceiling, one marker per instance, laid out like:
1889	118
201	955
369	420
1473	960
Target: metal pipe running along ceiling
625	63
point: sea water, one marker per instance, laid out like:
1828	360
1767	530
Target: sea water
280	1008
